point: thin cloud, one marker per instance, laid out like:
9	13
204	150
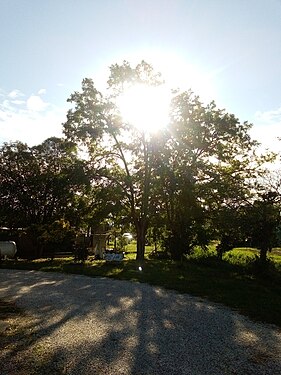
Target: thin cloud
18	102
6	106
15	94
30	121
4	116
31	129
36	104
42	91
267	128
269	116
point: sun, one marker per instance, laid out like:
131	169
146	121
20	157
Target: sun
181	71
145	107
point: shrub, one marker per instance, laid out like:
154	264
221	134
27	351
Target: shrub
58	236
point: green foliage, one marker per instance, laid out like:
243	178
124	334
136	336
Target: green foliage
57	236
40	184
263	222
122	75
242	257
121	243
204	165
159	255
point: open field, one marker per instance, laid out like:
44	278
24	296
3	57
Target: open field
230	282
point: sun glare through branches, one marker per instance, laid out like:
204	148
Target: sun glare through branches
145	107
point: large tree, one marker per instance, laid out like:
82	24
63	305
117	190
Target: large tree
207	163
201	160
125	152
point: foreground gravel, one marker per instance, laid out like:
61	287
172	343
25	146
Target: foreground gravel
101	326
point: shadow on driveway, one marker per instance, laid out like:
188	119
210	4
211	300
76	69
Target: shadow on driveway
102	326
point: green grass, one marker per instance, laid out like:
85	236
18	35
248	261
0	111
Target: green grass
131	250
230	282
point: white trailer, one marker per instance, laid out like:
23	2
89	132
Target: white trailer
8	249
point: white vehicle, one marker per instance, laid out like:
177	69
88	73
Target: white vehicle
128	237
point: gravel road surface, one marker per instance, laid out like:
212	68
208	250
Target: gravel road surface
104	326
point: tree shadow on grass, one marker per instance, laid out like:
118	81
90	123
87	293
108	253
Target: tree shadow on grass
87	325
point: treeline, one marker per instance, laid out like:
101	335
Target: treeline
201	178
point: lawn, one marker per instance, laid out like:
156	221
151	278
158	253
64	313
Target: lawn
230	281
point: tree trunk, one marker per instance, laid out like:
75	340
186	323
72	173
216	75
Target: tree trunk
141	234
263	255
219	249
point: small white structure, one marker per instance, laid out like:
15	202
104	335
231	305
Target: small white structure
8	249
99	244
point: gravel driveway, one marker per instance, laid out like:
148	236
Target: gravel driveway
104	326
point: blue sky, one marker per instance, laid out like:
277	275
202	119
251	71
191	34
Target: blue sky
225	50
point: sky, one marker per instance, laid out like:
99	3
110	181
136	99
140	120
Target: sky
224	50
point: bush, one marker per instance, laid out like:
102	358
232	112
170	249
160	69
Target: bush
175	247
58	236
159	255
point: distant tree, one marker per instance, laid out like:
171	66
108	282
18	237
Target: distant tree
228	228
40	184
106	206
186	216
262	223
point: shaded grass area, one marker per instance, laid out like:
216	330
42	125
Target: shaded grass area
230	282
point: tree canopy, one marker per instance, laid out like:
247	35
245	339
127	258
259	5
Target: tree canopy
203	159
40	184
